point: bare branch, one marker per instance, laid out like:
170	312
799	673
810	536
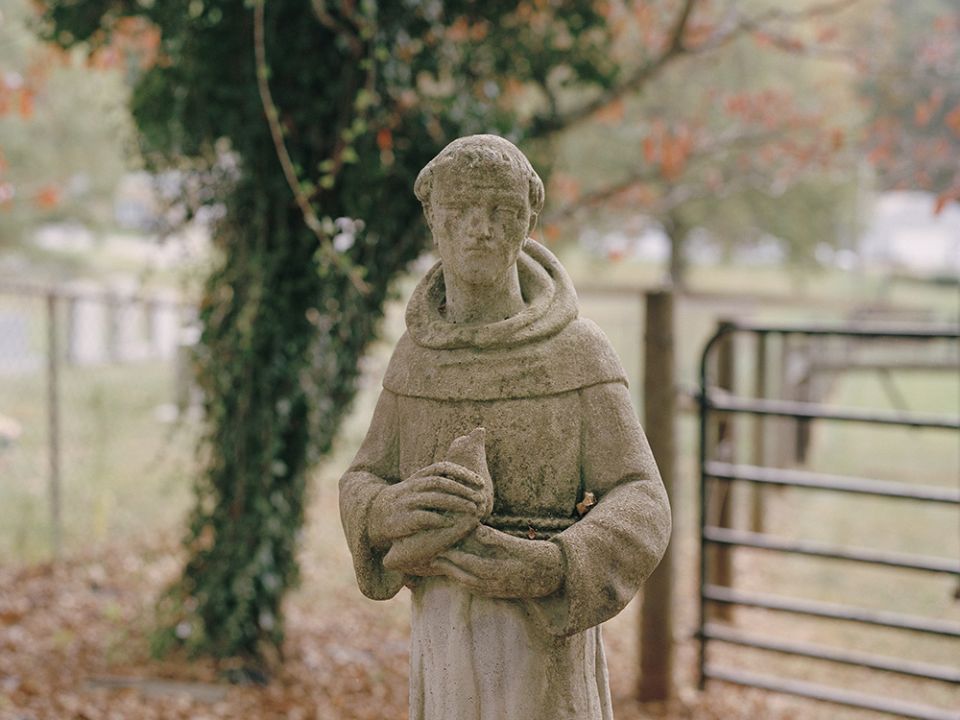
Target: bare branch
547	126
650	174
831	7
742	25
680	26
738	26
340	28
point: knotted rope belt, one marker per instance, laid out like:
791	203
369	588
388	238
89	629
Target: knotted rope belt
532	528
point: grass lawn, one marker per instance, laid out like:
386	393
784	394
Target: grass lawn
127	476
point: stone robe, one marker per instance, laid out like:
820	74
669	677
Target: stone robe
552	396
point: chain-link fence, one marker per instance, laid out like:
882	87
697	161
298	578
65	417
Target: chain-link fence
96	432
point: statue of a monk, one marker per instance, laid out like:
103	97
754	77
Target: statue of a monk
505	478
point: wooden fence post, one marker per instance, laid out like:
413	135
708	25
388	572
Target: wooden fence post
720	514
53	421
784	427
659	409
759	433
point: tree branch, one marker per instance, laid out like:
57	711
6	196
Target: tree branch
350	34
650	174
743	24
676	47
289	171
546	126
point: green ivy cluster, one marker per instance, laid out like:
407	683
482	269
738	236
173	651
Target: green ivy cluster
365	94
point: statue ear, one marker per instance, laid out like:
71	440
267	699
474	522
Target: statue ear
533	223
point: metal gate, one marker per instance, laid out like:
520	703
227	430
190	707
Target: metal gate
719	473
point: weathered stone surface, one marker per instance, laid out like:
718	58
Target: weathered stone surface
506	604
466	451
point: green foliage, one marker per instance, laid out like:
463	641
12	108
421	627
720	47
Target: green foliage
365	96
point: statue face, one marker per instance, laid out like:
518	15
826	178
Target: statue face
479	221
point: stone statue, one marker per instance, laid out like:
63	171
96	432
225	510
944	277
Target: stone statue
505	478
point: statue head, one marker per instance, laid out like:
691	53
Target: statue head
481	198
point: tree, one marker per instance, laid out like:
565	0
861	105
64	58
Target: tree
741	138
910	84
329	109
62	131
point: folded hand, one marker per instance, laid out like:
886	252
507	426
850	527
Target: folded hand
494	564
437	496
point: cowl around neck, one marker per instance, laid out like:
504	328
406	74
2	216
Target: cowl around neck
549	298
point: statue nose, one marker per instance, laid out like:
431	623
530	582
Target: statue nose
481	225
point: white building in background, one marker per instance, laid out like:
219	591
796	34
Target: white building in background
904	234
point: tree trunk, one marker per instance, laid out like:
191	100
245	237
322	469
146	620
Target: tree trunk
677	233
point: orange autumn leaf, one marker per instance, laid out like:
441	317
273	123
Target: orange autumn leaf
953	120
512	87
565	187
837	139
827	34
26	104
479	31
551	233
698	34
47	197
612	113
644	13
649	150
459	30
640	194
762	39
951	195
925	110
673	156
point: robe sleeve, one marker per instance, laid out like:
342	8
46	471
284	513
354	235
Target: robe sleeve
611	551
374	466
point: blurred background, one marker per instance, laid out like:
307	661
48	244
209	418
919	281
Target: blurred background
207	239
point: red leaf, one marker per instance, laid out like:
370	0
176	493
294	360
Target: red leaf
47	197
836	138
649	150
951	195
26	104
953	120
611	113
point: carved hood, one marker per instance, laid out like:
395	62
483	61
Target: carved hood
543	350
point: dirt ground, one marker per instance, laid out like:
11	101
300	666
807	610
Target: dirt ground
74	646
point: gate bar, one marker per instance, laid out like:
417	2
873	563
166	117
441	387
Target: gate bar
839	483
815	411
828	694
761	541
934	331
927	671
834	611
